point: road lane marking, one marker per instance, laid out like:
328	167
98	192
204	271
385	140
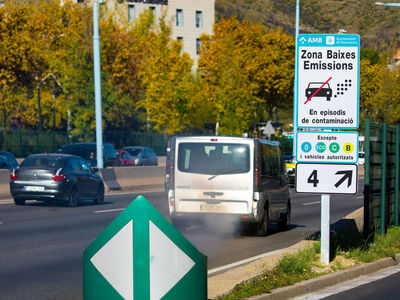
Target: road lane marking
108	210
360	197
239	263
311	203
135	192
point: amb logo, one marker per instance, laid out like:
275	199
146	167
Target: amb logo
311	40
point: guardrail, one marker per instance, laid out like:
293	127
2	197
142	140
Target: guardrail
117	178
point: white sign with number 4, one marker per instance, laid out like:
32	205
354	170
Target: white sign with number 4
326	178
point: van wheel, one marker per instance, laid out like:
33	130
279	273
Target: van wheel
284	224
262	227
178	223
19	201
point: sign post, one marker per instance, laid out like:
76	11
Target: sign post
326	98
140	255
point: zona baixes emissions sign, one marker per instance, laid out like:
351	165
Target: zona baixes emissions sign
327	83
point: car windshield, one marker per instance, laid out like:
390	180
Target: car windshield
288	159
134	151
43	162
317	85
213	159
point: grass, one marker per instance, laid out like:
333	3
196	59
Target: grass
305	264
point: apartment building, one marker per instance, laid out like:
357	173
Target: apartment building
188	18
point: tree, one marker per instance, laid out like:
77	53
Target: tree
241	67
167	81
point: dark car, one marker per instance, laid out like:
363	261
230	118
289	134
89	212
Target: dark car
143	156
325	91
124	158
7	160
47	177
88	152
290	163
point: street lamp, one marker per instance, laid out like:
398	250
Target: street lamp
38	83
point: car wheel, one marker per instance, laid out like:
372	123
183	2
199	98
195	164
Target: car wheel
100	196
73	197
262	227
19	201
178	223
284	224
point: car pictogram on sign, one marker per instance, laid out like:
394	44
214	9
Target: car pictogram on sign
315	88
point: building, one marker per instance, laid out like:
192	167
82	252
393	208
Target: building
189	18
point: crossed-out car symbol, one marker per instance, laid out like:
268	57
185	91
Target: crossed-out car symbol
326	91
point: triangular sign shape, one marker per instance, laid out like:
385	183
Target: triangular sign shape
115	261
168	263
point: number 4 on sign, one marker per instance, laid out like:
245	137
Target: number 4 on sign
313	178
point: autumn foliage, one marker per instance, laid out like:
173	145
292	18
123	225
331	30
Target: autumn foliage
244	73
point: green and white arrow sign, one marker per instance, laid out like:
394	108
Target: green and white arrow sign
140	255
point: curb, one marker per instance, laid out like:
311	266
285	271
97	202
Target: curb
324	281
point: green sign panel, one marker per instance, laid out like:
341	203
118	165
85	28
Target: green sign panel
140	255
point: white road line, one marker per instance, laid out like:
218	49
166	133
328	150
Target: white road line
239	263
134	192
360	197
6	202
108	210
351	284
311	203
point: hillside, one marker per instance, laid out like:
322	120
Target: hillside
378	26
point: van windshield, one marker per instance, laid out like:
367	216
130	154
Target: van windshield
213	159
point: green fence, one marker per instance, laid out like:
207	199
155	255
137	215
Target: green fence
381	181
23	142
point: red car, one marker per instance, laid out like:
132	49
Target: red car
124	158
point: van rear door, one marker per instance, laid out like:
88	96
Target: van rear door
214	175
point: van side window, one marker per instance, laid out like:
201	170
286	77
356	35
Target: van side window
265	161
274	161
269	160
282	162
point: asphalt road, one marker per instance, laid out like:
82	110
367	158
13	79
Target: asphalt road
41	246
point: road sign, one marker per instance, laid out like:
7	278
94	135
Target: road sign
326	178
327	83
327	147
140	255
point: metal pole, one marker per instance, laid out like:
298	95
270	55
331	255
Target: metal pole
367	209
39	108
295	79
97	84
325	227
54	108
383	181
396	190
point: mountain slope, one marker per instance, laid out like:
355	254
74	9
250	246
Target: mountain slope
378	26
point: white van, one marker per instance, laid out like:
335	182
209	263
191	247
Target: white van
240	177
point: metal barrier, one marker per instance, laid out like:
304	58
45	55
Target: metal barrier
23	142
118	178
381	180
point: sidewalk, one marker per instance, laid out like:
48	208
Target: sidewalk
221	284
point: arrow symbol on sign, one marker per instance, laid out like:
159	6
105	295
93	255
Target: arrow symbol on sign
347	175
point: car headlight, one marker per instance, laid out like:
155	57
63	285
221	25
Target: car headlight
136	161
